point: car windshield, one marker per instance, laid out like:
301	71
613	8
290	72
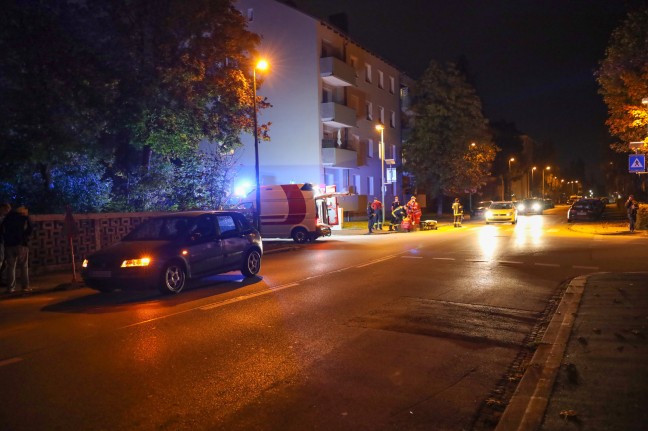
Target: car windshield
162	229
483	204
501	206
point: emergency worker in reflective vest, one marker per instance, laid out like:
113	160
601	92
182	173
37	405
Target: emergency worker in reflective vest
414	212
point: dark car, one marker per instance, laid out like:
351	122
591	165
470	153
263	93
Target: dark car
166	251
481	208
531	206
585	209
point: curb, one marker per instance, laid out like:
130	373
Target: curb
526	409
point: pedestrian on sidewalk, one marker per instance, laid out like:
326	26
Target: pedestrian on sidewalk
16	230
370	217
631	207
4	210
414	212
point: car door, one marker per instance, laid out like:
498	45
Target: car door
234	241
205	249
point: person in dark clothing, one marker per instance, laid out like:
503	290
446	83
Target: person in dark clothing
16	230
397	217
631	206
4	210
371	216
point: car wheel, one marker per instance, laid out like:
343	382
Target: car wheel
300	235
174	278
251	263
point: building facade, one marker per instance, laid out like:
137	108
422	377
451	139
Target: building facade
328	94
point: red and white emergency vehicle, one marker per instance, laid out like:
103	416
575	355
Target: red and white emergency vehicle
291	211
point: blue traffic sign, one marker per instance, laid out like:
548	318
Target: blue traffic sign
637	163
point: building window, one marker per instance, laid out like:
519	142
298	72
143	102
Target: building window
381	79
393	152
370	185
370	148
381	110
250	14
392	119
369	111
368	73
354	64
356	184
392	84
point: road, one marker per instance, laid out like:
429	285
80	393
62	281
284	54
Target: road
415	331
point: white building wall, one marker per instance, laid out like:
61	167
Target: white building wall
288	43
293	43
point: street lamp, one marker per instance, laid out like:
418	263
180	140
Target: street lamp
512	159
261	65
548	168
531	186
381	128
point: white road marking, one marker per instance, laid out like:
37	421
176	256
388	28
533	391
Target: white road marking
373	262
510	262
443	258
412	257
553	265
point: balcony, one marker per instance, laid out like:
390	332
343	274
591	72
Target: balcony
339	158
338	116
337	73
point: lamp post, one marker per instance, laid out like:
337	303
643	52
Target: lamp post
512	159
381	128
261	65
531	186
548	168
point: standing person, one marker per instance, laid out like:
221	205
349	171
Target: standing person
376	205
370	217
16	229
4	210
414	212
394	205
631	207
457	212
398	214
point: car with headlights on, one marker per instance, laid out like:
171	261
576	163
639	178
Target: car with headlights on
501	212
480	209
167	251
531	206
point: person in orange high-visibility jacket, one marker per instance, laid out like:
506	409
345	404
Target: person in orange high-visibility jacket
414	212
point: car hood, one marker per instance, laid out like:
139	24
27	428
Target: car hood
132	248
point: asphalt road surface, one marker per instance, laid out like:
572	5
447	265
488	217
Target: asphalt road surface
408	331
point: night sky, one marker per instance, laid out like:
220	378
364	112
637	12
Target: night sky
532	62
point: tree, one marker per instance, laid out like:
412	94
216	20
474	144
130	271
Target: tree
623	79
448	119
129	83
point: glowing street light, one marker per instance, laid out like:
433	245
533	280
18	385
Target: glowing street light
261	65
548	168
531	184
381	129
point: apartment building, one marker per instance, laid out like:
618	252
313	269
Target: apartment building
328	94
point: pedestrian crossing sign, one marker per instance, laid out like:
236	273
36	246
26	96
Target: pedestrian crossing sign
637	163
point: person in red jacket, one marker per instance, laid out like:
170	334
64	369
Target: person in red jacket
414	212
376	205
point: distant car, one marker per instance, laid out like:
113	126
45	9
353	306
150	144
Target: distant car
585	209
501	212
548	203
166	251
531	206
480	209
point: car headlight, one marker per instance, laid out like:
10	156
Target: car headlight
129	263
521	207
85	263
489	214
536	207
